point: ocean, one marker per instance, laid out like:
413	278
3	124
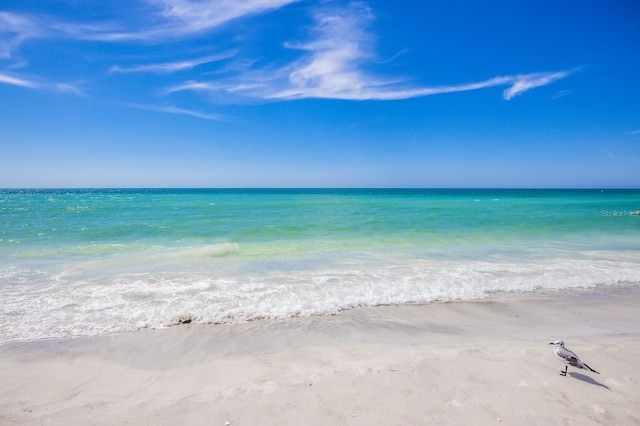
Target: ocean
90	262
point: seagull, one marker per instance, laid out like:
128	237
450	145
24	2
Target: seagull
569	358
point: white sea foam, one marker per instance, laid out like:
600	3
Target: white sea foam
83	299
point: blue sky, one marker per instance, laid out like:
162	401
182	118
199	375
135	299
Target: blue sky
283	93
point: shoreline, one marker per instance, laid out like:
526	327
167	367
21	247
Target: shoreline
470	362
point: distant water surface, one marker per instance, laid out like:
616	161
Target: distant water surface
86	262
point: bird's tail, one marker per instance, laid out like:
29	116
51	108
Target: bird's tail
591	369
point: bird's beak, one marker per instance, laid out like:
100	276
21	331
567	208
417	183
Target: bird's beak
551	343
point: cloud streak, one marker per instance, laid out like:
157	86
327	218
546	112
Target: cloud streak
523	83
14	30
167	19
17	81
176	19
336	61
333	67
192	16
170	67
333	63
179	111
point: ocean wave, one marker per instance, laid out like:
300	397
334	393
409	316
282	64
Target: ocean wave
41	303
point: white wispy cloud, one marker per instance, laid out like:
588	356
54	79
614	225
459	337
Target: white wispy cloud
68	88
18	81
201	15
15	29
523	83
195	86
334	64
170	67
561	94
179	111
331	67
170	19
39	84
635	132
336	61
162	20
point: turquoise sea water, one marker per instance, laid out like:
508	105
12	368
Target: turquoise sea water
84	262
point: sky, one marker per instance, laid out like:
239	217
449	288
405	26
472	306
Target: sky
319	93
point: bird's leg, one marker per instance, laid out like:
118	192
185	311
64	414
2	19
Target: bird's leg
564	373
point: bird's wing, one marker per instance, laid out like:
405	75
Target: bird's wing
569	357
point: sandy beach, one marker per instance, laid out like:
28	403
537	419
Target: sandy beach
483	363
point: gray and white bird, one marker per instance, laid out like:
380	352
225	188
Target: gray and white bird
569	358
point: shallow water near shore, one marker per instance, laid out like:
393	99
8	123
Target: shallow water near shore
92	262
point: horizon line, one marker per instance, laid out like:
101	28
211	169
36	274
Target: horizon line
302	188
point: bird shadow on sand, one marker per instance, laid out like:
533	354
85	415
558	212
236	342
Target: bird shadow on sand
588	379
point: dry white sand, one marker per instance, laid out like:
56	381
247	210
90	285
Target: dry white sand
466	363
